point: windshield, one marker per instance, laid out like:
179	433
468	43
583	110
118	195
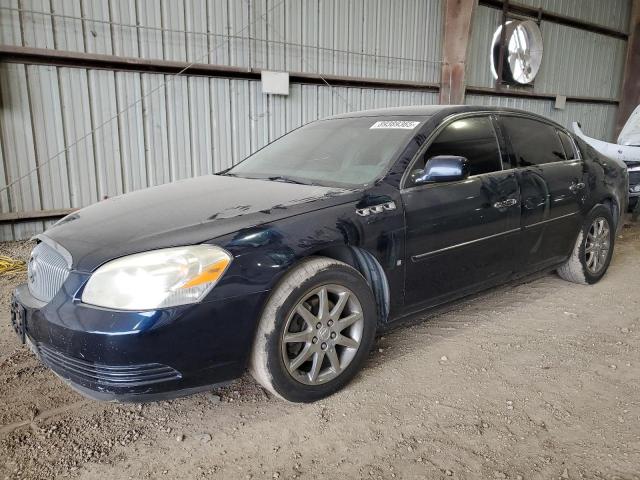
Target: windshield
344	151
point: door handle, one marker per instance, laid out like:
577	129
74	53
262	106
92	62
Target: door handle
574	187
509	202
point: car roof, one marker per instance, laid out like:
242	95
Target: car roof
440	111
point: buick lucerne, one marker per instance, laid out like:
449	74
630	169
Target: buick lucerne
288	264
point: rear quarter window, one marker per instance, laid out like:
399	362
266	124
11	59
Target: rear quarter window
567	144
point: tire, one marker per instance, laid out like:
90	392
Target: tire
330	356
579	267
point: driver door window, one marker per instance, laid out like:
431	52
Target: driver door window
473	138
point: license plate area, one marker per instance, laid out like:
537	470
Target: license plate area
19	320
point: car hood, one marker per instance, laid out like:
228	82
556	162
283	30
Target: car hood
182	213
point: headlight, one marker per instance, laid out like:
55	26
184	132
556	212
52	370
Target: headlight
157	279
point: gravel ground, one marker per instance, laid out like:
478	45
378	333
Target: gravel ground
536	380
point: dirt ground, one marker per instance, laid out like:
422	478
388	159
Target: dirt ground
536	380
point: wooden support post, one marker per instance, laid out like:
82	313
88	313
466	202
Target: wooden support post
457	32
630	97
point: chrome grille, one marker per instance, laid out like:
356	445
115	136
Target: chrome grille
46	272
634	177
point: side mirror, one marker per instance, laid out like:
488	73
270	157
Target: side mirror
442	168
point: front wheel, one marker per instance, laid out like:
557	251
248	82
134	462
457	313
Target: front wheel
315	331
592	252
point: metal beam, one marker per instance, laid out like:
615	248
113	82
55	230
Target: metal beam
9	217
555	18
631	81
510	92
44	56
457	33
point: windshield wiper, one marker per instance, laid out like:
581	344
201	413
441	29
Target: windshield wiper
282	178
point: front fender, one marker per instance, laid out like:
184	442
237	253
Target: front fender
263	254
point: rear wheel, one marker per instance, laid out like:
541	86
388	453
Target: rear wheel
315	331
592	252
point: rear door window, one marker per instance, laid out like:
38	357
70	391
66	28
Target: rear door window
473	138
534	142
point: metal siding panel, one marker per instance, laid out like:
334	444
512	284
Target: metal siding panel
587	64
240	120
221	122
355	38
37	27
17	138
259	120
76	118
309	103
104	107
275	26
485	22
310	36
294	108
382	38
434	38
325	103
130	123
173	23
200	120
6	230
68	31
596	60
393	65
408	70
125	38
178	127
149	14
276	116
239	27
154	116
325	36
293	34
217	21
197	38
48	136
369	34
341	26
610	13
97	35
260	32
10	33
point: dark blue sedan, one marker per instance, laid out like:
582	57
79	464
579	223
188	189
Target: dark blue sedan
288	263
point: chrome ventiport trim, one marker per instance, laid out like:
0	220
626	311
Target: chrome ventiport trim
383	207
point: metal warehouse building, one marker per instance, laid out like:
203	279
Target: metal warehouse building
103	97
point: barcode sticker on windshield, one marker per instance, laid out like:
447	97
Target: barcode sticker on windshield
403	125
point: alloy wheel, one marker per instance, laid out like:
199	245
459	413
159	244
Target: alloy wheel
322	334
597	245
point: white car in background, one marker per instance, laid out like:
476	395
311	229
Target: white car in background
626	150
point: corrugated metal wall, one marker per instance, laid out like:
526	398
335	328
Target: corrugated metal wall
386	39
609	13
575	62
191	125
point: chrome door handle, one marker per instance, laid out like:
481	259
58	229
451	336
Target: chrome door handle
574	187
509	202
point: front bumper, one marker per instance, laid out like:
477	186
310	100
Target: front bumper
138	356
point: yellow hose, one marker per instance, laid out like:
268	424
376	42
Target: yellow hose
10	265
